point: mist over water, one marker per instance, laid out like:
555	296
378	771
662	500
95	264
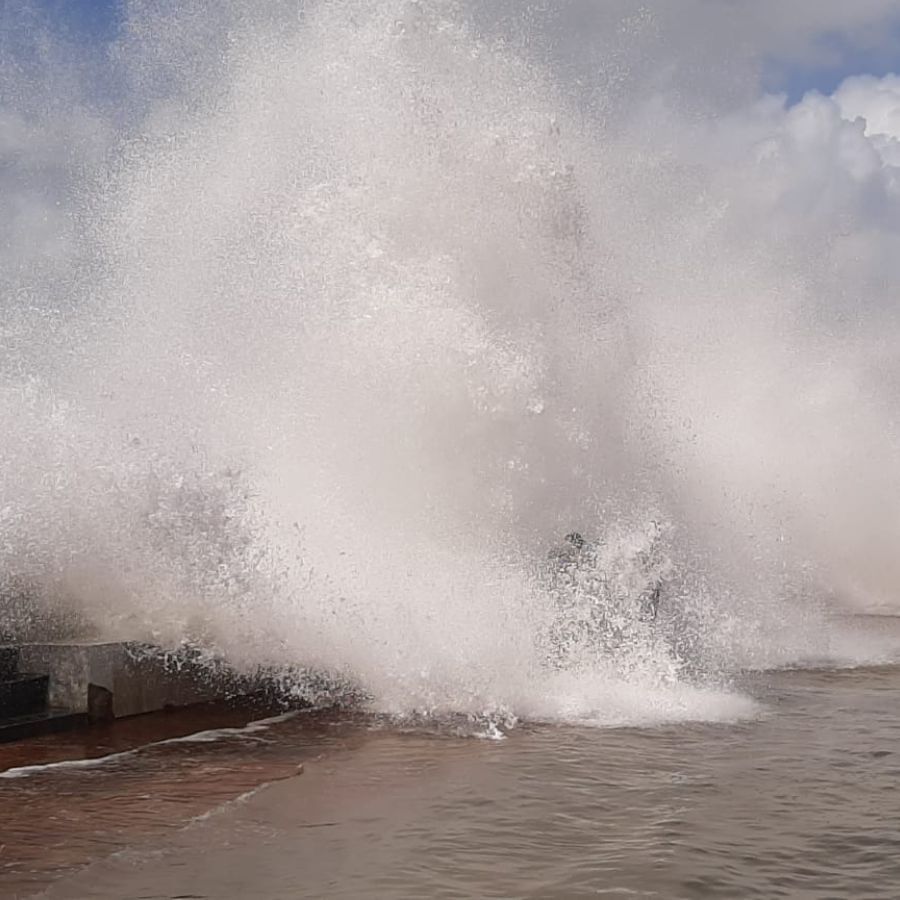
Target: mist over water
325	324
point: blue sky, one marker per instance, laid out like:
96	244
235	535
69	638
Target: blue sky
89	20
798	80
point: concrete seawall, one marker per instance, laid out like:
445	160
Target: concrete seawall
116	679
52	686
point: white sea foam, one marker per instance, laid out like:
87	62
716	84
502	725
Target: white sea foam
607	702
66	765
213	735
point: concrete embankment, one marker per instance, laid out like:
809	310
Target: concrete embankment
46	687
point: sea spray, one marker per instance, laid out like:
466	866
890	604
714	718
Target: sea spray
367	307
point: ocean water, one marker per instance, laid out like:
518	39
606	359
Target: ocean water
796	802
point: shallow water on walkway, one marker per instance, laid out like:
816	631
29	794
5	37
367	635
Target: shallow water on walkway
800	802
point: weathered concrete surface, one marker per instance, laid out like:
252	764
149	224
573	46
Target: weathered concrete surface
116	679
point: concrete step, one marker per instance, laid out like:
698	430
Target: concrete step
9	661
23	694
50	721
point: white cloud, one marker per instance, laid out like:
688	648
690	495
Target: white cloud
877	102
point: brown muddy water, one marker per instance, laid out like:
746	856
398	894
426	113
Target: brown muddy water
800	802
